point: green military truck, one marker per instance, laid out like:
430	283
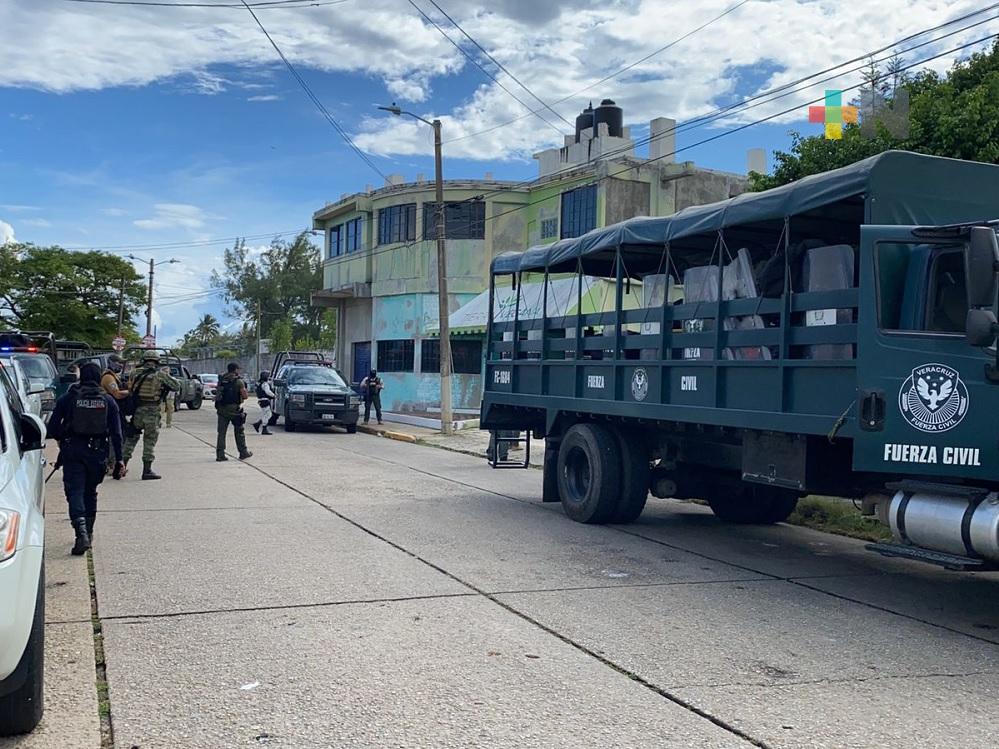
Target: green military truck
833	336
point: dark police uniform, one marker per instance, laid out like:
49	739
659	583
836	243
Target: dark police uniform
84	421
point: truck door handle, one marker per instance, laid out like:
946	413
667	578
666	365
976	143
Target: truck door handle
872	410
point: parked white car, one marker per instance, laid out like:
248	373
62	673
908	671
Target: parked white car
29	392
22	571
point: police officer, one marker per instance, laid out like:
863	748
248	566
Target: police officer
371	390
229	408
111	382
265	399
145	386
83	421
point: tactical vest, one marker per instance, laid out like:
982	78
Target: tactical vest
149	387
229	392
90	412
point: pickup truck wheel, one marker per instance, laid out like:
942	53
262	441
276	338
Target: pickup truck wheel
589	473
635	475
21	710
196	403
761	505
289	425
351	428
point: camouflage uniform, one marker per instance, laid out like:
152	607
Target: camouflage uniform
231	413
146	420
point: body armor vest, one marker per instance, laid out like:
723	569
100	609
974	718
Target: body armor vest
90	412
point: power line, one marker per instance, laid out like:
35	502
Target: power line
498	64
308	91
124	248
481	67
615	74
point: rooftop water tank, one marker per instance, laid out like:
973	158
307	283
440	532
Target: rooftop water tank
611	114
584	121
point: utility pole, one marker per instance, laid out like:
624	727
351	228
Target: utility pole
121	307
149	307
447	417
259	370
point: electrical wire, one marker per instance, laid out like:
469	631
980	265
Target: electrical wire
610	76
125	248
471	58
498	64
315	100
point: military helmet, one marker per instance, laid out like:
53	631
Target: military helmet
151	356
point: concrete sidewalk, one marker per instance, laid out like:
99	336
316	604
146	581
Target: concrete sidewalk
466	441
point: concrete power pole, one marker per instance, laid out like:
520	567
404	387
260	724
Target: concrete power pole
258	338
121	307
447	415
149	307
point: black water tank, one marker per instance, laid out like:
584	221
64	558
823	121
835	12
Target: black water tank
584	121
613	115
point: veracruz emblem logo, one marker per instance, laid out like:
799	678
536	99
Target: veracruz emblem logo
933	398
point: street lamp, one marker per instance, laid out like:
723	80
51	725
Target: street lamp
149	307
447	417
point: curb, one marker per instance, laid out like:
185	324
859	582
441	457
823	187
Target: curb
398	436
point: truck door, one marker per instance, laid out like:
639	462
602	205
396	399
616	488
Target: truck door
924	404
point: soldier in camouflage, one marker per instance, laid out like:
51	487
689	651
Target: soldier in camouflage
229	408
145	387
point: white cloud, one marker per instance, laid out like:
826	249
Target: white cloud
264	97
556	47
41	223
173	215
19	208
22	117
114	212
6	233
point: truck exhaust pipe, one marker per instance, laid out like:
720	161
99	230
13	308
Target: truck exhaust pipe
959	522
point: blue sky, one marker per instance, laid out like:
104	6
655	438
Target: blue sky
121	126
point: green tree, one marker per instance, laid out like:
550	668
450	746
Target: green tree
281	281
281	335
207	330
327	330
955	115
73	294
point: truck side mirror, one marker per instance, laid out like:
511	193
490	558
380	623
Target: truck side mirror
981	265
32	433
981	328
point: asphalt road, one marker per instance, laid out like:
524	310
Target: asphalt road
351	591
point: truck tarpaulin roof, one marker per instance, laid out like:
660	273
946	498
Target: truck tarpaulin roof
895	187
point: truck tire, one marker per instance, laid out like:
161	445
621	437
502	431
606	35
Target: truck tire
196	403
635	475
289	425
589	473
759	505
351	428
21	710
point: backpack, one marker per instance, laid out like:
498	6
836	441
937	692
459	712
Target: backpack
90	412
228	394
129	404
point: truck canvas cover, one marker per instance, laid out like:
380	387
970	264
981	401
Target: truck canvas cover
896	187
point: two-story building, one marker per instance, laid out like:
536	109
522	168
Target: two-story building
380	268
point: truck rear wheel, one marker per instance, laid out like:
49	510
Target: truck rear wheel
289	425
761	505
589	473
635	475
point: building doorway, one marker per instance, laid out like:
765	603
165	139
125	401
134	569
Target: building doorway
362	360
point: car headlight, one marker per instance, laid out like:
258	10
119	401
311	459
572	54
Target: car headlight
10	521
355	401
297	398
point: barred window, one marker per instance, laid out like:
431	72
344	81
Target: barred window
579	211
465	219
395	356
549	228
466	356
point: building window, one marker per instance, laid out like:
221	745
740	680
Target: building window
465	219
549	228
466	356
345	238
397	223
395	356
352	236
336	239
579	211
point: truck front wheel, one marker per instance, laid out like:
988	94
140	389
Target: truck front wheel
589	473
760	505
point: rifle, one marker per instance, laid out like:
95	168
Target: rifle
56	467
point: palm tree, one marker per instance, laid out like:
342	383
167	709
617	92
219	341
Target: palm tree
207	329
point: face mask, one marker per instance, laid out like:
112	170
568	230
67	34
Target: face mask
115	367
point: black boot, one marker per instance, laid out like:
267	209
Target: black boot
147	471
266	430
256	426
245	455
90	526
221	458
82	537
